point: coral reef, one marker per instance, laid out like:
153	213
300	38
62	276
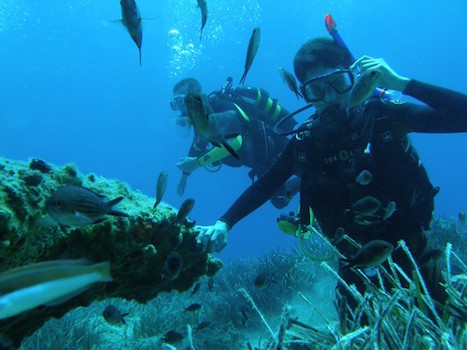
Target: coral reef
136	246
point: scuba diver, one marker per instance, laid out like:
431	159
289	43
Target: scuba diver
246	112
359	172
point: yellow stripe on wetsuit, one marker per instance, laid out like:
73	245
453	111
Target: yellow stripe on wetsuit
218	153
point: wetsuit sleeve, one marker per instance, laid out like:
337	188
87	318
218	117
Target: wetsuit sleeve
218	153
262	189
445	110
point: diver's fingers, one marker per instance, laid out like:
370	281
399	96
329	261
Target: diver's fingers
206	239
203	237
360	61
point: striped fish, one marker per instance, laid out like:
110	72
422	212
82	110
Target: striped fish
78	206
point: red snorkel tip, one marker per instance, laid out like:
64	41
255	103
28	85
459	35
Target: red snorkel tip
330	24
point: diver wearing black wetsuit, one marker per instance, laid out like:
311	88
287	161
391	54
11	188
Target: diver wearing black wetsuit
336	147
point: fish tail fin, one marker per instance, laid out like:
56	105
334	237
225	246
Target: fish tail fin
242	80
345	267
201	35
156	204
230	150
113	211
103	269
139	48
115	201
122	317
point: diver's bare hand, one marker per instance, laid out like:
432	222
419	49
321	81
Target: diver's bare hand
391	80
212	238
188	164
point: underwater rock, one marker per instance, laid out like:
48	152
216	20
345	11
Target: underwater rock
38	164
121	241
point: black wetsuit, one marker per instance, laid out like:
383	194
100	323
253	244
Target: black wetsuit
338	146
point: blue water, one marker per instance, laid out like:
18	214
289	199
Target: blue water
72	89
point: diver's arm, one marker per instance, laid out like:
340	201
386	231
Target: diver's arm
218	153
445	110
258	193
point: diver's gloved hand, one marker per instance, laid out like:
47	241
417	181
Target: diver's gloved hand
188	164
391	80
213	238
182	184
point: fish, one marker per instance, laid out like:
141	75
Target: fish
370	255
195	289
364	178
202	326
203	6
389	210
338	236
172	337
434	254
210	283
73	205
365	85
366	206
113	315
264	280
462	217
367	220
205	123
253	46
185	210
160	188
131	19
291	82
192	308
47	283
245	317
172	266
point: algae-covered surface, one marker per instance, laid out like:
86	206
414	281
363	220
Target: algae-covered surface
136	246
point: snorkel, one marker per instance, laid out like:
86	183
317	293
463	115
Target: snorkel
331	27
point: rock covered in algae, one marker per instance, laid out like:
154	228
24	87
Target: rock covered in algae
136	247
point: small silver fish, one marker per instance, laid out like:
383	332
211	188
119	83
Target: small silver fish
131	19
253	46
370	255
185	210
290	80
389	210
367	220
364	87
205	123
203	6
161	187
366	206
264	280
364	178
77	206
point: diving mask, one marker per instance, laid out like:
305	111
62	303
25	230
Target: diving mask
178	103
337	82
